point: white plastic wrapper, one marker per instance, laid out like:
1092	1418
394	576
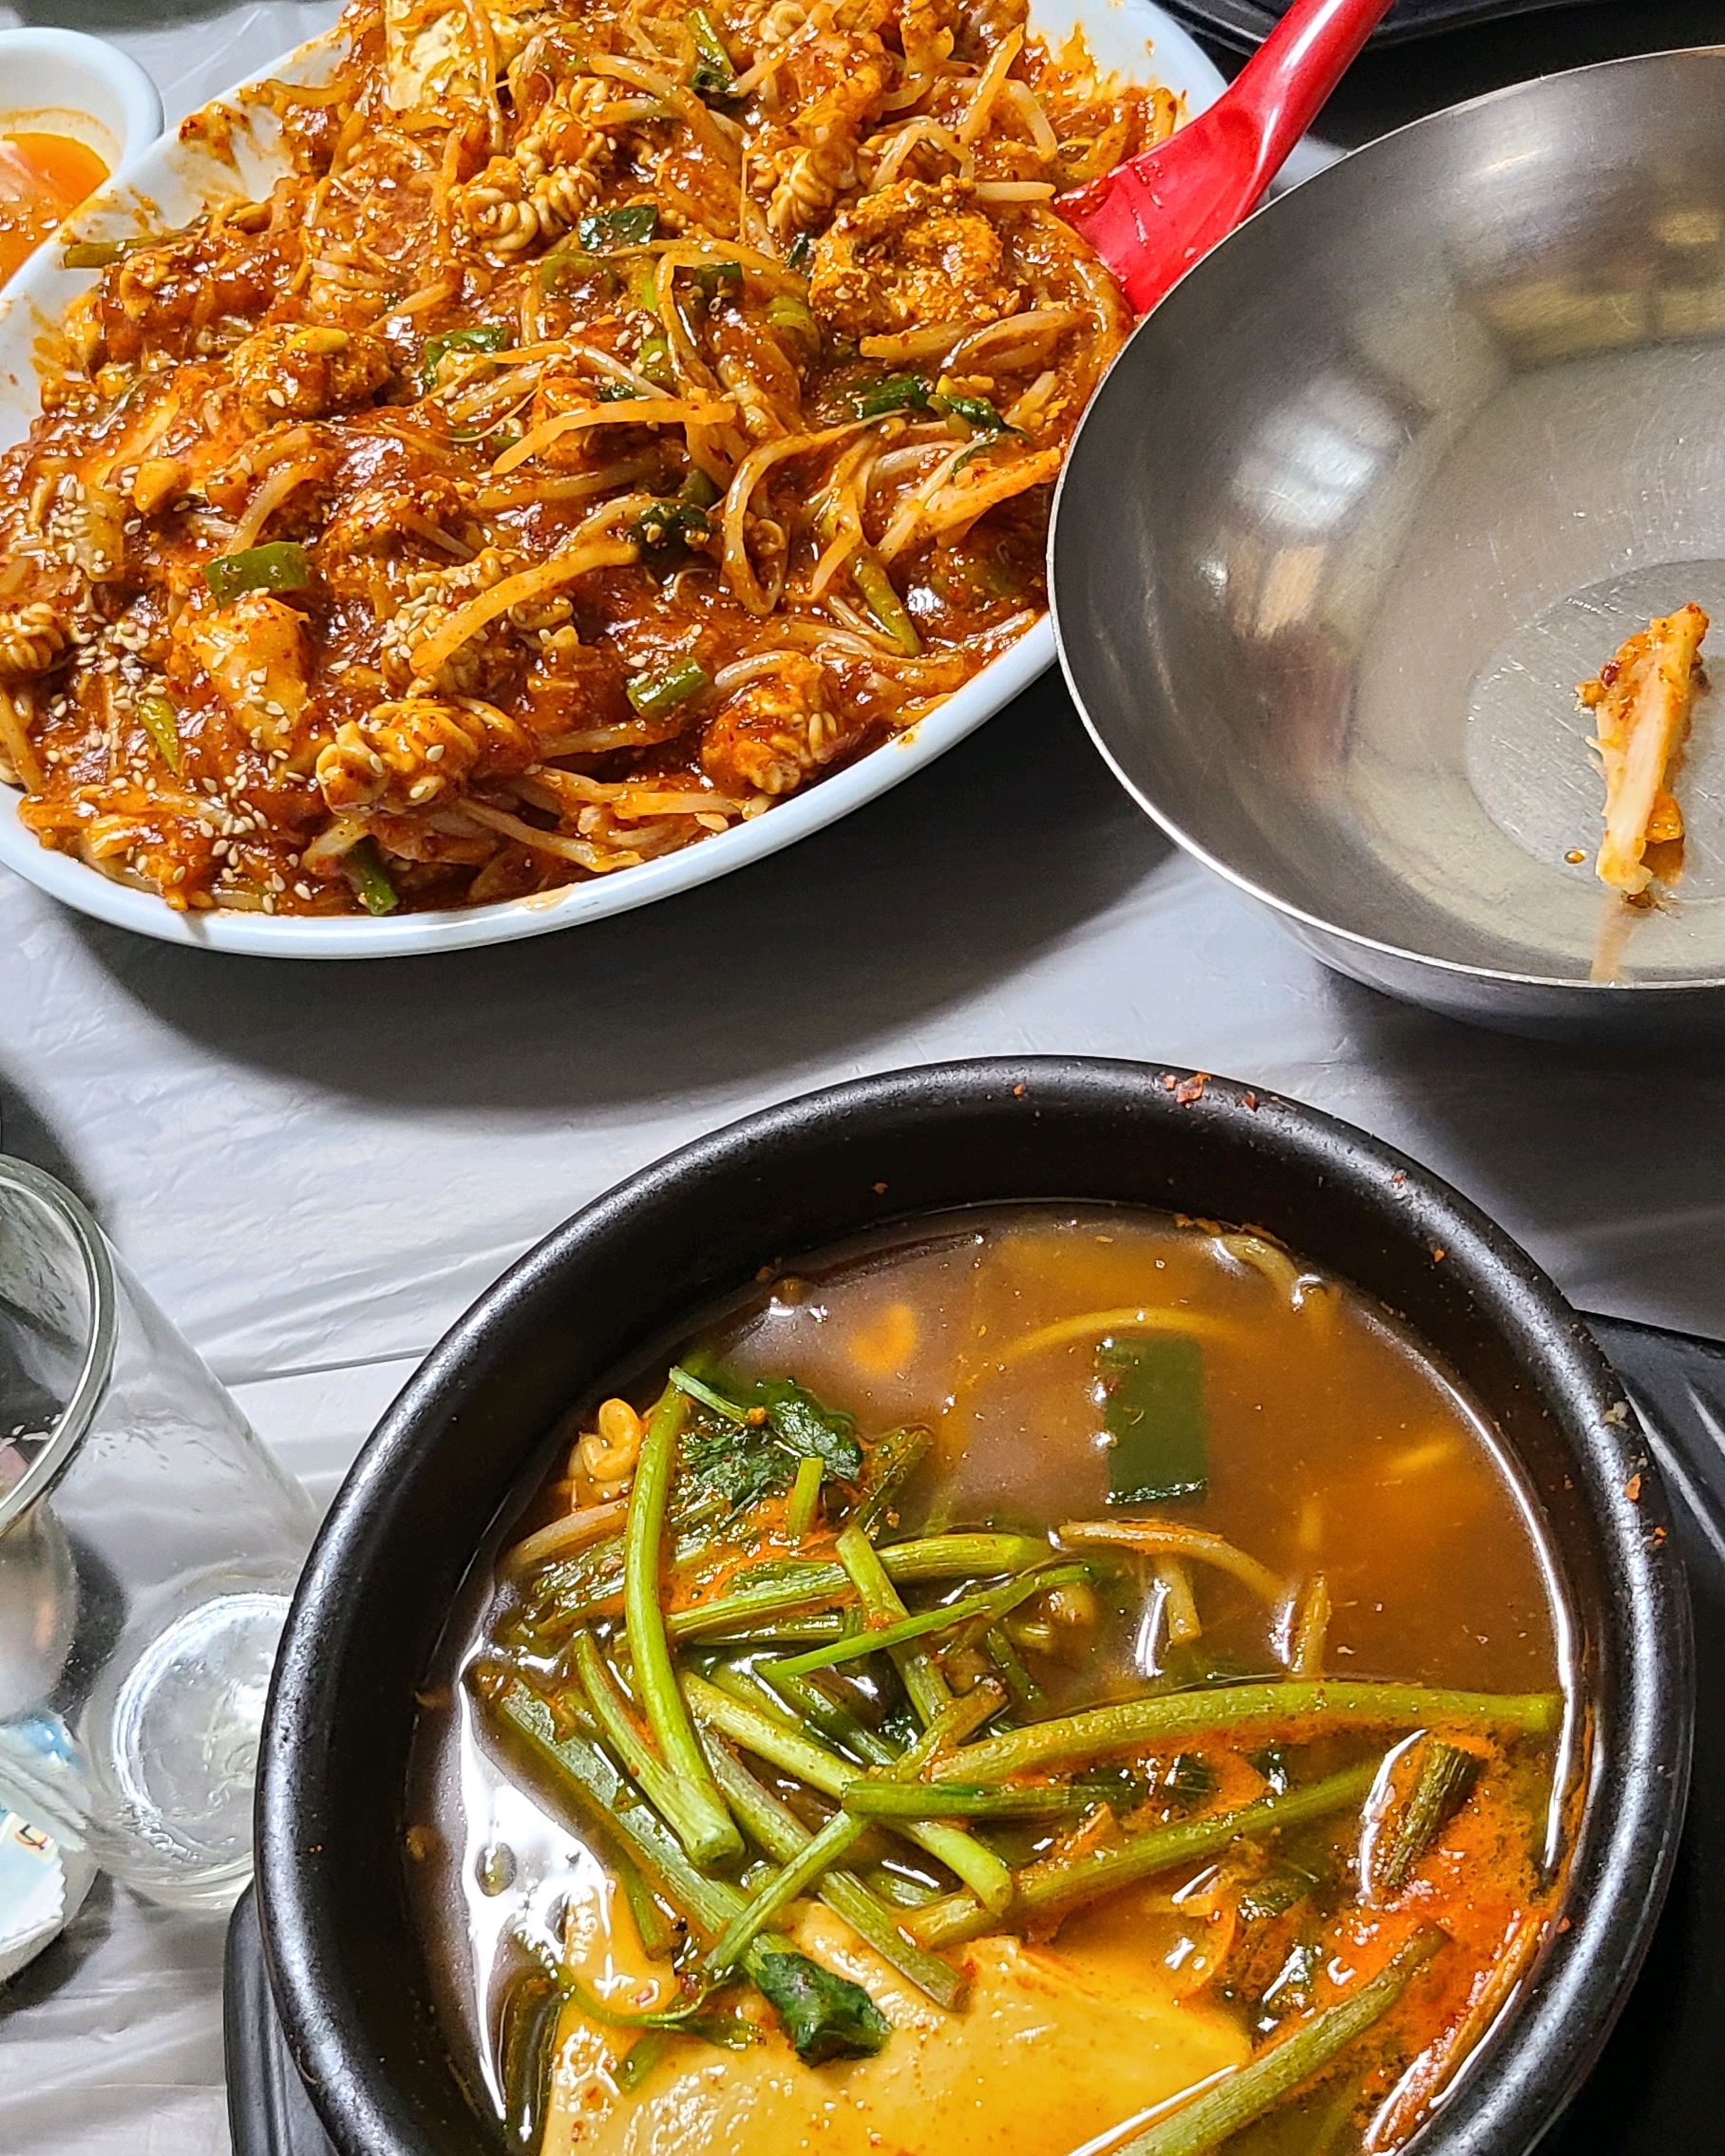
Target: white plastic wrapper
317	1167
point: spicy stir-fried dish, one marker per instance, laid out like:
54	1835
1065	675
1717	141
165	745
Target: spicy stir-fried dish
1642	700
1062	1686
619	413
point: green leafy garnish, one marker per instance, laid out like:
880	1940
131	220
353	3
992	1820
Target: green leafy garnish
1153	1410
633	225
483	336
826	2016
615	392
281	566
802	247
809	1427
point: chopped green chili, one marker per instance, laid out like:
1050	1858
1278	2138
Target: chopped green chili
634	225
800	248
977	413
664	525
483	336
652	694
103	254
714	74
160	721
363	866
794	317
283	565
875	587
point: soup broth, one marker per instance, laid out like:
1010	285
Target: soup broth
1096	1687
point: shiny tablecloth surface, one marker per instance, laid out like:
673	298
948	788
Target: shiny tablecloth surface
315	1168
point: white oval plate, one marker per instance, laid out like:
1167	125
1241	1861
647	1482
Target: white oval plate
168	185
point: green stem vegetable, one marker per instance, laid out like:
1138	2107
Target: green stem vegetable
1218	2114
658	1785
814	1582
990	1605
797	1754
798	1878
805	1498
783	1837
1059	1884
703	1824
826	2016
869	1799
1236	1709
881	1599
1442	1785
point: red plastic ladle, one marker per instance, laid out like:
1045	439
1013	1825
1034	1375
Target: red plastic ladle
1152	217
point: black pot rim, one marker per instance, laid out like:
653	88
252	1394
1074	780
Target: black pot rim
1635	1802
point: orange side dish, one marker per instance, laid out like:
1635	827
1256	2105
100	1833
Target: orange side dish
1642	699
618	415
42	178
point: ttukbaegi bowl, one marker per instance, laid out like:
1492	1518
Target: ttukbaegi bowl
346	1962
176	179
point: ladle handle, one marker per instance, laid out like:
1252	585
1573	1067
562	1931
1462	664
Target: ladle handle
1288	80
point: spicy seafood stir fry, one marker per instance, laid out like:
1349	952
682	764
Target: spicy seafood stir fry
877	1795
617	414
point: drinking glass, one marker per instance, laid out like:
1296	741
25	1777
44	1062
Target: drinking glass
148	1546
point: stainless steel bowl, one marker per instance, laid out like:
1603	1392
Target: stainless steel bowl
1392	469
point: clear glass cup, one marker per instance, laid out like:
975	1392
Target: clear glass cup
148	1546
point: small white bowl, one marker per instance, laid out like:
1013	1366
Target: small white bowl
61	82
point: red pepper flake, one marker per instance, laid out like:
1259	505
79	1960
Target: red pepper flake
1438	1253
1018	1093
1609	672
880	1189
1632	1489
1249	1100
1191	1090
1656	1539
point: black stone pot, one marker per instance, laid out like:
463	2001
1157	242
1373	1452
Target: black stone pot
640	1262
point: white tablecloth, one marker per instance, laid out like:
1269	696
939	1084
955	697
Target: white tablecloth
315	1168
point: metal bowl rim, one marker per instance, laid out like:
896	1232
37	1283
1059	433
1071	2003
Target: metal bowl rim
1356	940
